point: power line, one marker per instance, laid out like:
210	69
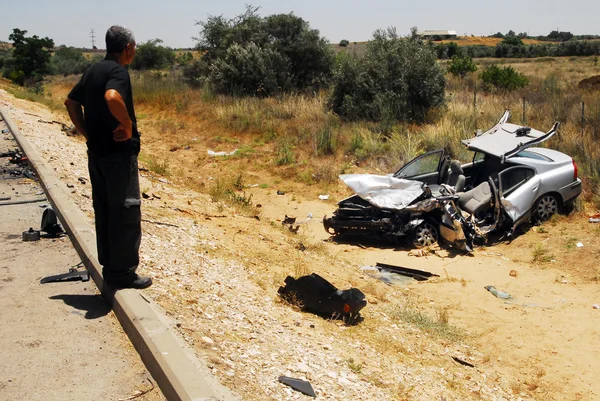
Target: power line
93	38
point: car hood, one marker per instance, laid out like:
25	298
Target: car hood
506	139
384	191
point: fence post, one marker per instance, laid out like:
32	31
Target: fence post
524	112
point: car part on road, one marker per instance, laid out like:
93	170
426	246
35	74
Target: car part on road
497	293
419	275
299	385
314	294
50	224
31	235
72	275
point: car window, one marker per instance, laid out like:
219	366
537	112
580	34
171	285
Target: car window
478	156
532	155
426	164
513	178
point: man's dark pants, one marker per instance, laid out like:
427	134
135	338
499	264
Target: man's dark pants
116	199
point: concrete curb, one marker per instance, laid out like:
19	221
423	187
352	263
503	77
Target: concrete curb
171	362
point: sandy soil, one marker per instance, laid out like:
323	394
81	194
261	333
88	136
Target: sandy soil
217	272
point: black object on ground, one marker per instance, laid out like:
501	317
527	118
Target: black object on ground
50	224
31	235
314	294
299	385
72	275
463	362
419	275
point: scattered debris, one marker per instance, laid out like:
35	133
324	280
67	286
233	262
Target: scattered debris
22	202
496	293
280	193
159	223
596	306
163	180
418	252
72	275
513	273
579	245
299	385
314	294
387	276
139	393
5	198
82	180
463	362
215	154
323	197
419	275
293	224
50	224
31	235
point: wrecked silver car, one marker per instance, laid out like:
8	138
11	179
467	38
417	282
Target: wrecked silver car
507	182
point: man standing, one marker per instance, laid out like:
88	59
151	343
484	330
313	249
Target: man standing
108	123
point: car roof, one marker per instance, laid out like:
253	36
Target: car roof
506	139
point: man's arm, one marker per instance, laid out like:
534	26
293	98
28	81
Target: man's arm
118	109
76	116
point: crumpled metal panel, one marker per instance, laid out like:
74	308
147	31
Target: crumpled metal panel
384	191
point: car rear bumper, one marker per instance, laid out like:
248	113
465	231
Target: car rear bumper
571	191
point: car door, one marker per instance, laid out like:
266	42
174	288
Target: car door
519	187
425	168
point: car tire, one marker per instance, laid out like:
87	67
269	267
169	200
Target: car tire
425	234
545	207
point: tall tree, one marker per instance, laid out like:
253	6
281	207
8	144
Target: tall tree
31	57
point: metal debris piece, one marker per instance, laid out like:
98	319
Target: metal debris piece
497	293
464	363
299	385
419	275
72	275
31	235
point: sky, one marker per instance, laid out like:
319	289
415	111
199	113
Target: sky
70	22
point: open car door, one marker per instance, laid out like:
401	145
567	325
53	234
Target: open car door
519	188
427	168
505	139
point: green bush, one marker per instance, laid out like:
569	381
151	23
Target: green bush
288	55
344	43
504	79
512	41
152	56
250	71
68	61
461	66
398	79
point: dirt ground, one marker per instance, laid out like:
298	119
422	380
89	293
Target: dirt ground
213	263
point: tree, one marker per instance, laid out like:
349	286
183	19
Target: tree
151	55
68	60
504	79
30	59
512	40
344	43
398	79
461	66
284	41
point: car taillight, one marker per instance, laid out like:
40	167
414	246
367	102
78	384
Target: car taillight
574	170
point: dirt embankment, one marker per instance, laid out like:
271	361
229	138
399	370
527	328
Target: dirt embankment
217	272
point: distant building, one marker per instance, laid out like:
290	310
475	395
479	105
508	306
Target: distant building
438	35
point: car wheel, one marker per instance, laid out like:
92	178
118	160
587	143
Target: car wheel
425	234
545	207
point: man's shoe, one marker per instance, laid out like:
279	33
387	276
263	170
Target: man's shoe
135	282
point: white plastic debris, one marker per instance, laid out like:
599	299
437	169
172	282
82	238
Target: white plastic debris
579	245
215	154
323	197
596	306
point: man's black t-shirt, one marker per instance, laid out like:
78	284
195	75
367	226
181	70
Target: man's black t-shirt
99	122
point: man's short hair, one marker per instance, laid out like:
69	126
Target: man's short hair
117	39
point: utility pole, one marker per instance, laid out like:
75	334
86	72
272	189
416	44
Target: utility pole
93	38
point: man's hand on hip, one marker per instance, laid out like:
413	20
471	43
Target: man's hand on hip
122	133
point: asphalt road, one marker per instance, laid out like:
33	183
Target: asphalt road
58	341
